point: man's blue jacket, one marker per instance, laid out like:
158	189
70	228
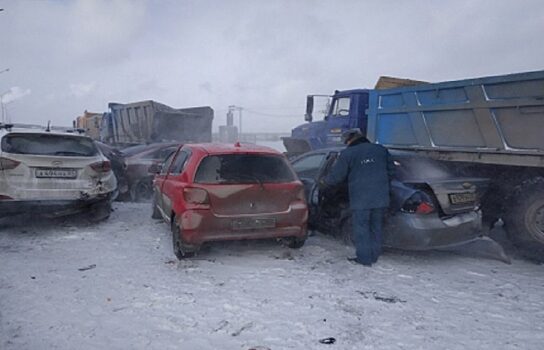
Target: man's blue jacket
368	168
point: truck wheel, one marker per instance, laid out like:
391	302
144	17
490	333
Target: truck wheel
179	250
524	219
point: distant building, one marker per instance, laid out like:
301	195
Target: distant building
90	122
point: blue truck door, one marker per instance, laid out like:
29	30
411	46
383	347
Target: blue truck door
348	110
338	119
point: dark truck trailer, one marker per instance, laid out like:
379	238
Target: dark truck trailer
487	127
152	122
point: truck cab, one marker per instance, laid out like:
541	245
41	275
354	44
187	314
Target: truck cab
345	110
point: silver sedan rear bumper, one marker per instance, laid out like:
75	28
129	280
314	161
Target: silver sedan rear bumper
421	232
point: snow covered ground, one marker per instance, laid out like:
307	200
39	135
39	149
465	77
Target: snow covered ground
117	285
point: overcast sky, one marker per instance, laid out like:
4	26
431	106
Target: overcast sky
65	57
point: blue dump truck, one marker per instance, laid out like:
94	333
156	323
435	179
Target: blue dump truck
487	127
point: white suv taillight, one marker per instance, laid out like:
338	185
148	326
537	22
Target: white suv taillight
102	166
8	164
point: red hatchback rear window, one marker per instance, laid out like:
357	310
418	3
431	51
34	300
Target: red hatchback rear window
243	168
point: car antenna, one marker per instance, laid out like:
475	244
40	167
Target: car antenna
48	128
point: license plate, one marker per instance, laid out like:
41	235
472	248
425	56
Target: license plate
249	224
56	173
462	198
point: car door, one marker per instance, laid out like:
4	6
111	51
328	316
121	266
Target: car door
158	182
321	200
307	169
175	180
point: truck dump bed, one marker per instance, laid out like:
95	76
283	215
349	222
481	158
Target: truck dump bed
495	120
150	121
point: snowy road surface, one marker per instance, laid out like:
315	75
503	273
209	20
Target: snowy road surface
116	285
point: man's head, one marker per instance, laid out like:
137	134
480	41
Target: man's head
351	135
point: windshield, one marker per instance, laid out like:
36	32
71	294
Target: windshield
49	145
340	107
243	168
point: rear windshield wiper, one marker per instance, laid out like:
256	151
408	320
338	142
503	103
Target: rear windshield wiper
241	177
70	153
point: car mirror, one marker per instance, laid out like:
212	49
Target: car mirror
155	168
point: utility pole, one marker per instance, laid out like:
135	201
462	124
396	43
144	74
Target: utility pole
5	117
239	109
2	96
2	104
3	108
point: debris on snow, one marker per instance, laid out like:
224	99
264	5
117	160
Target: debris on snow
329	340
90	267
244	327
376	296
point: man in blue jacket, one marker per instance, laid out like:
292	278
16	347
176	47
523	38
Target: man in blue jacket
368	169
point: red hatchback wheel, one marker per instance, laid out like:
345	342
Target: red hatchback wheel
177	245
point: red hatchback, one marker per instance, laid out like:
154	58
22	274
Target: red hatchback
215	192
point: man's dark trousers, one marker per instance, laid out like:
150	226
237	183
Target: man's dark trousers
367	233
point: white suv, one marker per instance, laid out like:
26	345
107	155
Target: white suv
53	173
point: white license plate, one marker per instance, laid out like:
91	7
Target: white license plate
462	198
249	224
56	173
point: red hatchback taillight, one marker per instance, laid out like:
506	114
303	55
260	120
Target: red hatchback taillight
196	196
101	167
300	194
8	164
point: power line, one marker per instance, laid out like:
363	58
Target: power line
277	107
271	114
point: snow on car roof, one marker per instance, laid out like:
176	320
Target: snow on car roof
223	148
23	130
